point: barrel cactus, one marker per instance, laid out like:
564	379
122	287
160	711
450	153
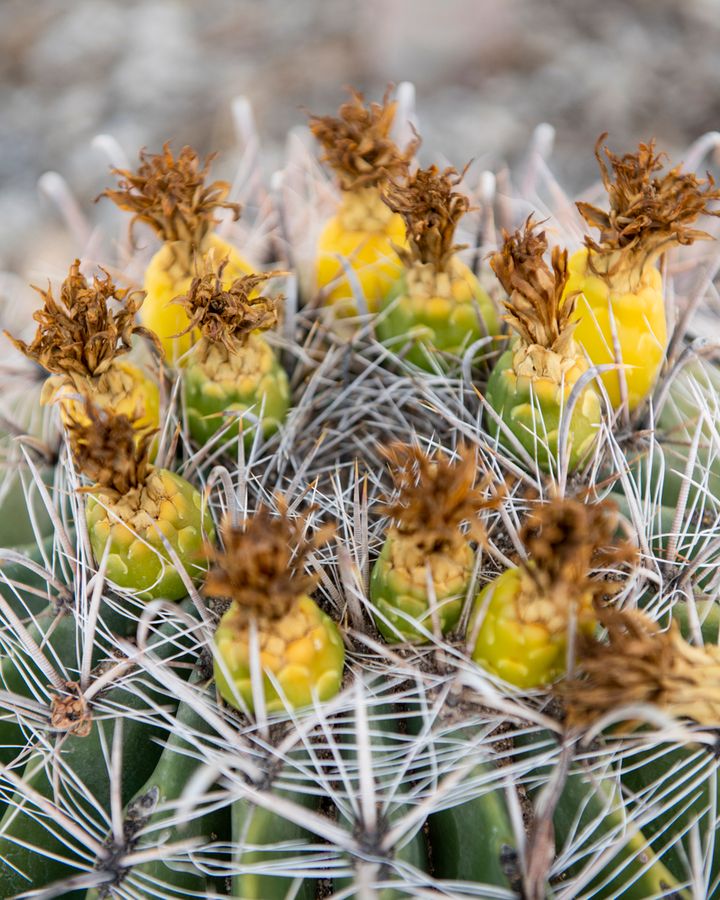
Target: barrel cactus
383	650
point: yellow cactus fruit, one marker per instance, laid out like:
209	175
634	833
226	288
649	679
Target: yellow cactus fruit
170	195
437	304
133	509
357	145
639	663
531	383
621	308
232	369
299	648
521	620
422	575
79	340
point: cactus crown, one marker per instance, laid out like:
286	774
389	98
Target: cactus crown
262	565
535	305
81	333
228	315
431	210
640	663
565	540
648	213
435	495
170	195
108	449
357	143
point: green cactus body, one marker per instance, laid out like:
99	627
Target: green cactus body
590	809
303	650
261	828
386	745
177	764
436	311
16	514
218	384
165	504
524	644
398	586
26	868
689	407
484	819
648	769
531	407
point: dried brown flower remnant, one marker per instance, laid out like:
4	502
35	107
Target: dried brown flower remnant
431	209
108	449
535	305
261	567
640	663
170	195
81	333
648	213
69	711
435	495
565	540
228	315
357	143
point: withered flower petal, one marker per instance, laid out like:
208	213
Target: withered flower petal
228	315
566	540
641	663
435	495
170	195
109	449
648	213
261	566
82	333
535	305
431	209
357	143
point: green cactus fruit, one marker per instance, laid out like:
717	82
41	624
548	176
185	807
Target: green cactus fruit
435	496
524	652
520	622
165	504
531	384
398	587
244	385
80	340
531	408
435	312
438	304
303	651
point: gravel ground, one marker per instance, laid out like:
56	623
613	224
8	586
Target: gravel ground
487	72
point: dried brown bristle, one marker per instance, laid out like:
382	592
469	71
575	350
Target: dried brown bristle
108	449
640	663
431	210
261	567
228	315
357	143
566	539
648	213
435	495
81	333
170	195
535	305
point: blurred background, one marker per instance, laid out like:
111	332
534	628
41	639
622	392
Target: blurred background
486	72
